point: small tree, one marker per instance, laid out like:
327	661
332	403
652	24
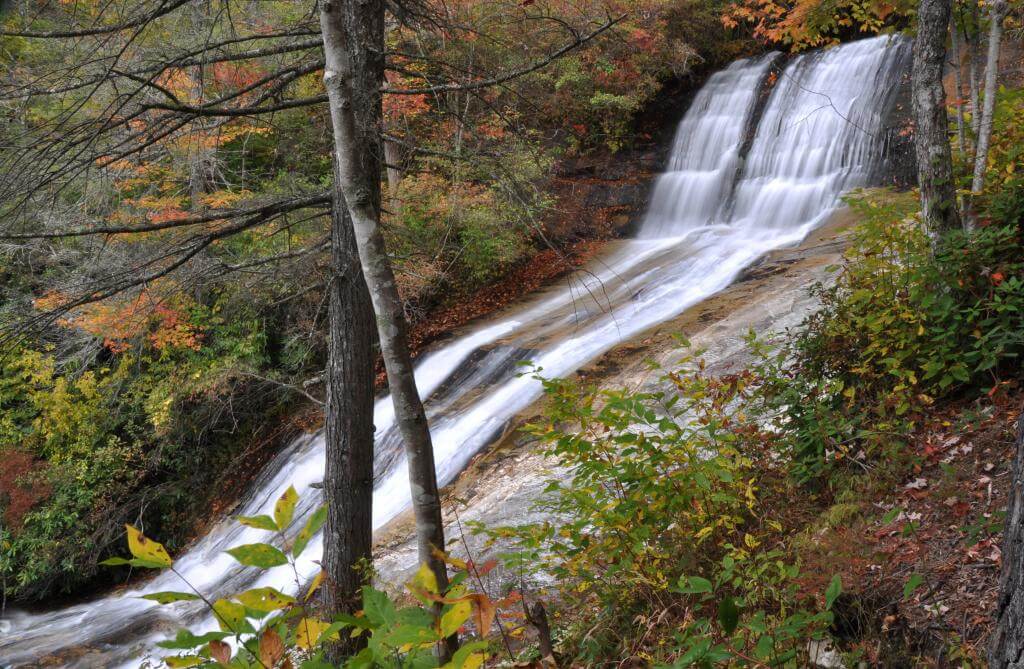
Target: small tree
931	139
996	14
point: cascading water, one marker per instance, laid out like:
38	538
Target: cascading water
712	214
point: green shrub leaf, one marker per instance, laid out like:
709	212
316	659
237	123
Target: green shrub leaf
262	522
170	597
728	615
263	556
313	525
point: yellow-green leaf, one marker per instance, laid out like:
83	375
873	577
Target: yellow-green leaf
315	585
424	580
146	549
231	616
169	597
312	526
263	556
183	661
285	507
262	522
455	617
265	600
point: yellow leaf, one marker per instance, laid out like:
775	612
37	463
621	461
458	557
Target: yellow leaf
315	585
455	617
424	580
284	509
146	549
308	632
474	661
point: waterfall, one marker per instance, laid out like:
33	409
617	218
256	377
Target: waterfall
705	158
719	207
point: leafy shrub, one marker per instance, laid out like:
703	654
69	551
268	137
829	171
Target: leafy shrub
135	431
659	519
907	321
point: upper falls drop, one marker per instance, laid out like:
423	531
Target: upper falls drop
820	134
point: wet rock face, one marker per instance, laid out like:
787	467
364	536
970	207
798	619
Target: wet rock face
899	164
602	197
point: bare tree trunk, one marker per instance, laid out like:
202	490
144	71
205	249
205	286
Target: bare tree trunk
348	475
934	160
353	35
1007	645
961	136
996	14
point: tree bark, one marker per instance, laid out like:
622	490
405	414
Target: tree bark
996	14
348	474
353	35
934	160
1007	645
961	135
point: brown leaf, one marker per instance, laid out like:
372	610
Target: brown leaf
271	649
220	652
483	613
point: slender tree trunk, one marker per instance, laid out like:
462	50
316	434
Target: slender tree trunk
1007	645
931	140
348	475
393	160
961	135
353	35
996	14
974	54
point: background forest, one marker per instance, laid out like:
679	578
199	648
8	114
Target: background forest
176	385
164	262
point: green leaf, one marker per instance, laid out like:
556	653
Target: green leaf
264	556
169	597
262	522
891	515
115	562
912	584
690	585
728	615
285	507
363	660
377	607
835	587
765	647
313	525
410	634
186	640
265	600
464	656
184	661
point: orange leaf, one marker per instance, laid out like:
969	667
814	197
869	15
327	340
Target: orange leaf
220	652
271	648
